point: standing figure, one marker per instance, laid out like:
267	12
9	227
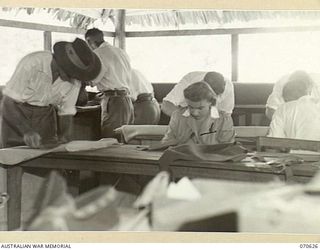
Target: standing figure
146	107
42	83
114	80
222	87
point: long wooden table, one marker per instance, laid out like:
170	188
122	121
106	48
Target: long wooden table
130	159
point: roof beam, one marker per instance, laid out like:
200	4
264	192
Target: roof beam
234	31
44	27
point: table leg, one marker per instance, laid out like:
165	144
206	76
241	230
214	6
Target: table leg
14	182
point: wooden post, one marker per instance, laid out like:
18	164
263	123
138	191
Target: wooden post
234	56
120	36
14	182
47	40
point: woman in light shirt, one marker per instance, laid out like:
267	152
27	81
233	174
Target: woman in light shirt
200	122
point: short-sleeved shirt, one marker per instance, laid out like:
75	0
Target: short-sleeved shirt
116	68
139	84
31	83
275	99
225	101
299	119
183	128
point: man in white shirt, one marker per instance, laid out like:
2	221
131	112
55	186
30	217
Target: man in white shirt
146	107
116	105
275	99
41	82
222	87
299	116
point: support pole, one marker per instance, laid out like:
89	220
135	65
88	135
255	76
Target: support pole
47	40
120	36
234	56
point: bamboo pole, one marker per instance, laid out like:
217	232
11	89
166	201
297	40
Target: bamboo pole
234	56
47	40
120	33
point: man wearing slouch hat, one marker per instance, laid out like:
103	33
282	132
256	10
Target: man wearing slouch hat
42	83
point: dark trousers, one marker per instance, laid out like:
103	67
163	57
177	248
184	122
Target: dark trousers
146	110
19	118
116	110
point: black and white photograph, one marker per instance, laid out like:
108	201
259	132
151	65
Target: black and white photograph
160	120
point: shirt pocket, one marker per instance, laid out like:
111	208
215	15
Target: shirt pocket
208	138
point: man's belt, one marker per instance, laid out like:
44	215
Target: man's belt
144	97
115	92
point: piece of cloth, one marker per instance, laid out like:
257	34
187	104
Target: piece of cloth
31	83
299	119
103	208
289	209
129	132
115	112
218	197
16	155
183	128
116	70
139	85
20	118
196	152
146	110
225	101
275	100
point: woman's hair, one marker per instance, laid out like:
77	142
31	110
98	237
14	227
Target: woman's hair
199	91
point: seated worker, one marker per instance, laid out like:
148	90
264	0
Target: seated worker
146	108
199	122
222	87
276	99
299	117
41	83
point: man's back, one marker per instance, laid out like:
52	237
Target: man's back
117	64
299	119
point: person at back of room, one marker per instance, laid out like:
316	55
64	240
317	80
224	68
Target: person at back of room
222	87
299	116
114	81
275	99
146	107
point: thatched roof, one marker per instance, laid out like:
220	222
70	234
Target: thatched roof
81	18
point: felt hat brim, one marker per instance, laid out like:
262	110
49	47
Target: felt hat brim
73	70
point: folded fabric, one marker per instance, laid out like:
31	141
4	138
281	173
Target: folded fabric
99	209
218	197
199	152
131	131
16	155
75	146
251	131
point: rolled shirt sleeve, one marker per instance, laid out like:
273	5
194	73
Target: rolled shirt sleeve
226	132
277	126
275	99
66	97
225	102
